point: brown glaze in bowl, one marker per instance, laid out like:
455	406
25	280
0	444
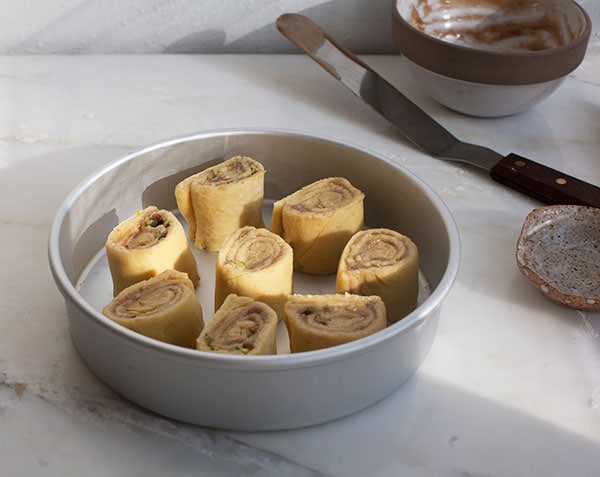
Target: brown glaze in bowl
502	43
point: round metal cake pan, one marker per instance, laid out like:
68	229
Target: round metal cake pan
250	392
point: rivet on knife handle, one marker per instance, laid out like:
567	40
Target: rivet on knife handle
544	183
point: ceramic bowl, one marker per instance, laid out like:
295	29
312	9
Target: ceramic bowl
558	252
490	58
248	392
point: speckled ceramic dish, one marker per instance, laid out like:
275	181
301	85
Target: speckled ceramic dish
235	391
559	252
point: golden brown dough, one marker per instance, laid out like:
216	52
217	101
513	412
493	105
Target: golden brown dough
147	244
381	262
256	263
321	321
221	199
317	221
163	307
241	325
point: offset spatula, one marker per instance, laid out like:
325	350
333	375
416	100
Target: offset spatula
536	180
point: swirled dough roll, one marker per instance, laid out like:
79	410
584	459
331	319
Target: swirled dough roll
317	221
381	262
163	307
147	244
221	199
321	321
255	263
241	325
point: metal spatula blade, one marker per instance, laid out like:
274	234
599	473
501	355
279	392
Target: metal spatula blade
526	176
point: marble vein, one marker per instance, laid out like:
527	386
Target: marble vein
114	412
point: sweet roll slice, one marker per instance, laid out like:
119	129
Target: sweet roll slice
317	221
381	262
164	307
321	321
146	244
257	263
221	199
241	326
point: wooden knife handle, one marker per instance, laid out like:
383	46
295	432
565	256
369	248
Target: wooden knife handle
544	183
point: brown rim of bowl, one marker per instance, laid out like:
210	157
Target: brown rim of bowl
488	67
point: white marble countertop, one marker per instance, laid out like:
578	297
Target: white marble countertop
511	386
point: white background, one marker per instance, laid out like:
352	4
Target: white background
194	26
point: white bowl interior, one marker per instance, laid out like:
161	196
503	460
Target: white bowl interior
497	25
